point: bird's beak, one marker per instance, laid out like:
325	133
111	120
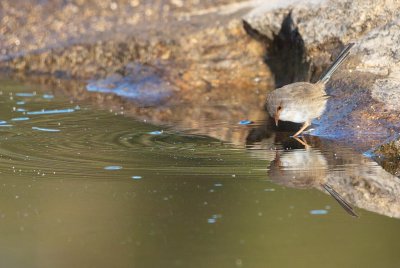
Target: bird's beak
277	117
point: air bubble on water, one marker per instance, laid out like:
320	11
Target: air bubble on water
211	221
269	190
239	262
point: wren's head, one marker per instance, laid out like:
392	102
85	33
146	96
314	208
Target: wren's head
275	106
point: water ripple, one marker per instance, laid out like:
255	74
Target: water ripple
89	144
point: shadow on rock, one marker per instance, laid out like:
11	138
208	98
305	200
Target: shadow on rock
285	55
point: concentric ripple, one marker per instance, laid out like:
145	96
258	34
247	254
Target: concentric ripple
52	138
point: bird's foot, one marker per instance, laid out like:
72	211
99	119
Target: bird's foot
303	142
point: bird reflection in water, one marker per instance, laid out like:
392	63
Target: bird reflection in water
295	162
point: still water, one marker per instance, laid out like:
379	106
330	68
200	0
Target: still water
83	187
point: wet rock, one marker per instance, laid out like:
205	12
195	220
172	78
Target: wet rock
387	91
143	86
391	150
365	105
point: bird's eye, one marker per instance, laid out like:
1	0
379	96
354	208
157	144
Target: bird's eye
279	108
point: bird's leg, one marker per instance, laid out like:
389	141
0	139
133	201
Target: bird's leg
302	142
305	125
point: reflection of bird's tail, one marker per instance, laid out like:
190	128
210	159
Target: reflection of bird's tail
335	65
340	200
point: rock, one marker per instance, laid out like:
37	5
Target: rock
391	149
387	91
143	86
365	106
320	22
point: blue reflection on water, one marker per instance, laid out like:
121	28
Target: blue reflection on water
47	96
61	111
46	129
157	132
245	122
319	212
25	94
112	167
20	119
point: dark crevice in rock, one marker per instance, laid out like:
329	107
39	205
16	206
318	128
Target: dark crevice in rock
285	54
286	57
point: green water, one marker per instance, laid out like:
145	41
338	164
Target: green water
194	201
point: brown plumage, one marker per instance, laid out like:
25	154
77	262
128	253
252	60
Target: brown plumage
301	102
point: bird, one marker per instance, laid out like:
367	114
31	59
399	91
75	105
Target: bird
301	102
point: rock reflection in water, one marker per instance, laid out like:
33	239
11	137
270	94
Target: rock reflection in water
311	162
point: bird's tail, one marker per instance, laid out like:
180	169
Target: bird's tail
335	65
340	200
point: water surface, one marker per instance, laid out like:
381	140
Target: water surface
86	187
